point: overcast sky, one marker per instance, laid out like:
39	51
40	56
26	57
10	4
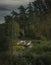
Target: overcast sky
6	5
14	2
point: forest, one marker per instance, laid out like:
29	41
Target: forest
30	23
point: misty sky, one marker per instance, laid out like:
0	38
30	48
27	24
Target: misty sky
7	5
14	2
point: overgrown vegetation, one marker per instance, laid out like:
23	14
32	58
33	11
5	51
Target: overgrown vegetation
31	23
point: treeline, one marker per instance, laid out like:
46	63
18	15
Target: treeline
33	21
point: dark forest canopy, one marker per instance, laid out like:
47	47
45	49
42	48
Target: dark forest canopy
32	18
34	21
31	23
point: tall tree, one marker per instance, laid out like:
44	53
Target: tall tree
30	9
40	8
14	15
48	2
22	18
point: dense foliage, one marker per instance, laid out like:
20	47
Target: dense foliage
32	22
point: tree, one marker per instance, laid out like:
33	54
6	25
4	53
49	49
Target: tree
22	19
12	29
30	9
3	44
48	2
40	9
14	15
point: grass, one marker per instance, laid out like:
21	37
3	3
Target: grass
38	47
18	48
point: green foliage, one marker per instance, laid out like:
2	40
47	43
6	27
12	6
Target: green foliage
33	22
40	53
2	38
